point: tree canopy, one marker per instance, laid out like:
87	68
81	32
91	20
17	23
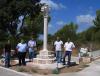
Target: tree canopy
11	10
68	31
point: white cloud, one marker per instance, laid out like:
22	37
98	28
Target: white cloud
62	6
88	19
53	5
60	23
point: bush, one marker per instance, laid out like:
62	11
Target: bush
22	69
55	71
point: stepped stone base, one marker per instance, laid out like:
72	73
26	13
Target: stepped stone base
44	57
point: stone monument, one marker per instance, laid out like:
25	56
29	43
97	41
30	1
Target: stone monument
45	57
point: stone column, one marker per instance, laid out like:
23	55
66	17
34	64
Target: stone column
45	33
45	10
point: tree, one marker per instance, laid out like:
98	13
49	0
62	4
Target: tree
10	13
68	31
87	35
97	20
97	26
11	10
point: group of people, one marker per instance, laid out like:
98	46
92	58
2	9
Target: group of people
21	48
68	48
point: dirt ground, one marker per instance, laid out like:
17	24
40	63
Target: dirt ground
32	70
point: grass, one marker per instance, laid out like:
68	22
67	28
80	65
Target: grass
22	69
55	71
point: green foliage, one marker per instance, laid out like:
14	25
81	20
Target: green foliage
31	24
11	10
34	26
56	71
68	31
97	20
86	36
21	69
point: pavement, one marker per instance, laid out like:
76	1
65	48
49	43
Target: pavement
93	69
9	72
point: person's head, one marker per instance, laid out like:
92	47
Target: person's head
68	40
8	41
31	38
22	41
58	39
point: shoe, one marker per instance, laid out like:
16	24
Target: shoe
9	66
64	64
19	64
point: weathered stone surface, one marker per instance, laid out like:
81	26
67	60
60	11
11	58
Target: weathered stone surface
85	59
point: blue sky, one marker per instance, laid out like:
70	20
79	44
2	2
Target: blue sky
81	12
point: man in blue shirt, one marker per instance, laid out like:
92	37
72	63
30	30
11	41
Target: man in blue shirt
22	47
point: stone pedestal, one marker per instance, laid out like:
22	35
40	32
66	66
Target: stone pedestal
44	60
85	59
44	57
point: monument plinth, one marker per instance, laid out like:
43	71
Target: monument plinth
44	57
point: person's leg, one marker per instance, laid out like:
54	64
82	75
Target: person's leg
19	58
6	60
64	58
30	56
23	58
69	57
57	56
9	60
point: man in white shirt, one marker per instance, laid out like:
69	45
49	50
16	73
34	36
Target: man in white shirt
21	47
58	49
68	46
31	45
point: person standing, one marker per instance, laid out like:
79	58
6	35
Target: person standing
68	46
31	46
7	51
58	49
22	47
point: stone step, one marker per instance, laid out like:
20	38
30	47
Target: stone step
45	56
46	52
43	61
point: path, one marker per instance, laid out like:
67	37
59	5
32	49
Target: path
92	70
9	72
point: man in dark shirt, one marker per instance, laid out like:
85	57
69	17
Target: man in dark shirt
7	53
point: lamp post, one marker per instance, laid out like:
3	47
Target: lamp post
45	10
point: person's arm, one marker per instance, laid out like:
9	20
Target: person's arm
61	44
17	47
35	47
28	44
65	47
73	46
54	45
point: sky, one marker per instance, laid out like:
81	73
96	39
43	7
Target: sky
81	12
